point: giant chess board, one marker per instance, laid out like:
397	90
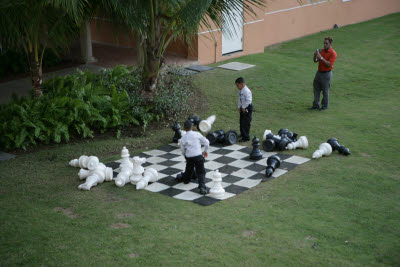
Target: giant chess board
239	172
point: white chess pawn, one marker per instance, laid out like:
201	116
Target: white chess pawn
123	177
216	190
149	175
324	149
93	177
205	125
301	143
137	169
125	162
265	134
81	162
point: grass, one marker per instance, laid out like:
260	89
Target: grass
331	211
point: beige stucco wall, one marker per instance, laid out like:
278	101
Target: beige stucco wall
279	21
283	20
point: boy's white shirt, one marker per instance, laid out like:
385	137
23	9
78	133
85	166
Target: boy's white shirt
245	97
191	144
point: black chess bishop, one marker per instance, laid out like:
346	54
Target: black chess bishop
178	133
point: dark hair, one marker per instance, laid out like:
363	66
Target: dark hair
188	125
330	40
239	80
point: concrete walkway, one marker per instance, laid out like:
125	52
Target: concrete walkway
107	57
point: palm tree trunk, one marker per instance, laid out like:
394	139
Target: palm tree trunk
36	76
151	67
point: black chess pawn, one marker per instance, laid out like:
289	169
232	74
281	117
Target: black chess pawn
231	137
216	137
336	146
178	134
195	119
273	162
255	153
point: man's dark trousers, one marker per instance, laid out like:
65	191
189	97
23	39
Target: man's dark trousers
322	82
197	162
245	122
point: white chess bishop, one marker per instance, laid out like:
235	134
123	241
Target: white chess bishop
137	170
205	125
302	142
95	176
150	175
216	190
324	149
126	168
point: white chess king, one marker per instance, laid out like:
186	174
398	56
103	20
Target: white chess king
205	125
216	189
324	149
80	163
301	143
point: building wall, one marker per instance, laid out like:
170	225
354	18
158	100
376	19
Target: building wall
279	21
283	20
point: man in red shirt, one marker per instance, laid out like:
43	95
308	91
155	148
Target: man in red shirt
322	81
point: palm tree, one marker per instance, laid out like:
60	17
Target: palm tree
157	22
35	25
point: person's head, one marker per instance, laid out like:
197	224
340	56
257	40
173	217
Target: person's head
188	125
328	42
240	83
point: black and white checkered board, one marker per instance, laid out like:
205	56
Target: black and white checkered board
239	172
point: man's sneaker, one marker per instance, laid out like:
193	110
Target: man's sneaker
313	108
323	108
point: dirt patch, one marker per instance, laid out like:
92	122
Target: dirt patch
248	233
310	238
120	225
133	255
124	215
365	155
387	125
68	212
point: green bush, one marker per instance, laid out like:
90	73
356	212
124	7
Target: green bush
83	103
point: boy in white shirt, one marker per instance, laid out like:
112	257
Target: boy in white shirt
191	149
245	109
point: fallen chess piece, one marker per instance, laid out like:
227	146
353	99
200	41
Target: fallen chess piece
96	176
220	136
288	134
255	153
273	163
301	143
126	167
178	132
205	125
324	149
335	146
216	190
137	170
196	120
150	175
80	163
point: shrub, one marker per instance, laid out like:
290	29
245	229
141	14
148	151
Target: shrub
85	102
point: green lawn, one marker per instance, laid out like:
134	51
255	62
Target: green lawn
331	211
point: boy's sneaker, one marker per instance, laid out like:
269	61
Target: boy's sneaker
203	190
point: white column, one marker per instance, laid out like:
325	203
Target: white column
86	44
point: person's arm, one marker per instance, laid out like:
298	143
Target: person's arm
248	98
326	62
204	141
182	148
